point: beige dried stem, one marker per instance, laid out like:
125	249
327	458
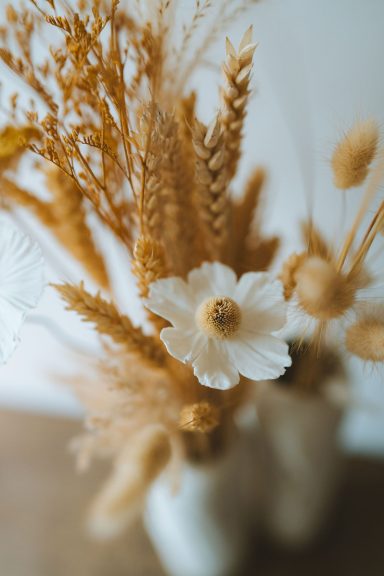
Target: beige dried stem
371	190
237	71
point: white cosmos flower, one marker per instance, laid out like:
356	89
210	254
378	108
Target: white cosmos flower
223	327
21	284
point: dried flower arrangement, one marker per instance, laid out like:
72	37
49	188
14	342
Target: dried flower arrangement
119	143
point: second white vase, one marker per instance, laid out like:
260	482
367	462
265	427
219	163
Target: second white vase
300	462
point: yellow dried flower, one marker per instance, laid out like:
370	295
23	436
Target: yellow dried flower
354	154
199	417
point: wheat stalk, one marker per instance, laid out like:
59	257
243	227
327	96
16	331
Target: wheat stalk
237	71
71	225
110	322
42	210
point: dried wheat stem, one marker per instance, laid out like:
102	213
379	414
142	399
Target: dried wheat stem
237	71
72	228
42	210
108	321
243	216
369	194
211	177
250	250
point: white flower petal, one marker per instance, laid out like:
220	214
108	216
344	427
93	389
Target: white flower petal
259	358
184	346
258	290
21	283
171	299
254	321
214	368
212	279
21	270
8	342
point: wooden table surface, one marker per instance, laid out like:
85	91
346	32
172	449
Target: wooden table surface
43	503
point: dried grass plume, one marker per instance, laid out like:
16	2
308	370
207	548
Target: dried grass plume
354	154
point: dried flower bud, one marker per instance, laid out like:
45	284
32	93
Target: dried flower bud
354	153
199	417
365	339
323	292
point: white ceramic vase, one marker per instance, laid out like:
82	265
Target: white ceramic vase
201	528
300	462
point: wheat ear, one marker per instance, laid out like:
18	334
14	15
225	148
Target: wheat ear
108	321
237	71
149	265
211	177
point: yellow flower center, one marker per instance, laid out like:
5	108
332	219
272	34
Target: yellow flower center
219	317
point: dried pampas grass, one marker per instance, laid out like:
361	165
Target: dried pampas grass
122	497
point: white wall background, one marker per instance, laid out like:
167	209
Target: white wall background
318	67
